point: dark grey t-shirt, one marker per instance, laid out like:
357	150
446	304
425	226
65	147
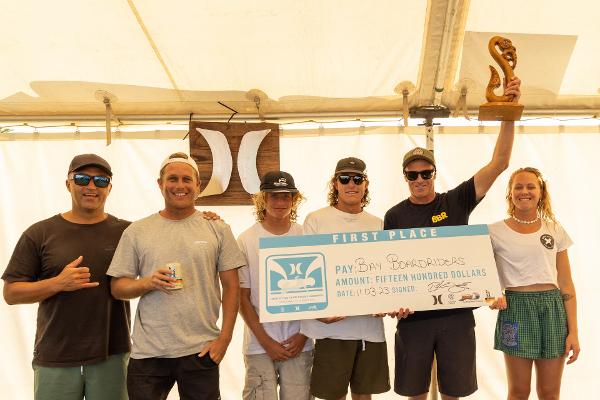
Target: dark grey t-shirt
80	327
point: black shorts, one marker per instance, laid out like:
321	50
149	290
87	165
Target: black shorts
153	378
452	338
338	363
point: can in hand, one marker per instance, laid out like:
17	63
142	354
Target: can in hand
175	272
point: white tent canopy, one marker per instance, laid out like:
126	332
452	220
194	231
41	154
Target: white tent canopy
285	61
32	188
62	58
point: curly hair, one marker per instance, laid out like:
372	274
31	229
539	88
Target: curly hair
260	205
333	195
544	208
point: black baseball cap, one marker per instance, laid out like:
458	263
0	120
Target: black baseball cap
278	181
89	160
351	164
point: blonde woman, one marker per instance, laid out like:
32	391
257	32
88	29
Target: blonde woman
537	322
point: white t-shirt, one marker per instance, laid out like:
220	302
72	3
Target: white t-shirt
360	327
248	275
528	258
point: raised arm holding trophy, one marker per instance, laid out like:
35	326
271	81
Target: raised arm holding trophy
505	107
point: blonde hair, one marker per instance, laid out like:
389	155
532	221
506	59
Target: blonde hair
260	205
544	208
333	196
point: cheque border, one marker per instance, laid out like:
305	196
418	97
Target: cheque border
373	236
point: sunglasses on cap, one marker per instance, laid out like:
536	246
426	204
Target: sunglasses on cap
426	174
345	179
84	180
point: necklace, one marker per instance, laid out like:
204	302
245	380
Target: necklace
533	221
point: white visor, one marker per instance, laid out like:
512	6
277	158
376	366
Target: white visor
188	161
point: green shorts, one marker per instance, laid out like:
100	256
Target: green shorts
337	363
533	326
105	380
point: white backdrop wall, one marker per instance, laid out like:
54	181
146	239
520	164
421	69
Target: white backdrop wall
32	188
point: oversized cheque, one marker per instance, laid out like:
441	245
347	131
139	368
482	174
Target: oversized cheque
356	273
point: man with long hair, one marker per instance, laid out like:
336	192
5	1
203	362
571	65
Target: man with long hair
348	350
274	352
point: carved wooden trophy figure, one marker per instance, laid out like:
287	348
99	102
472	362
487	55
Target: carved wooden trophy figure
501	108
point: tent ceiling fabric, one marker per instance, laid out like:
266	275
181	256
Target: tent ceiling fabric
309	57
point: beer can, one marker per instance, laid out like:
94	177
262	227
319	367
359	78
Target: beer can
175	272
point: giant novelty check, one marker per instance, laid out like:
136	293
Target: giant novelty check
357	273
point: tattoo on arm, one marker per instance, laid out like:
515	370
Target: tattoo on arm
566	296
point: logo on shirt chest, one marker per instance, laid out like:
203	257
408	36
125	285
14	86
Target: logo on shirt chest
547	241
440	217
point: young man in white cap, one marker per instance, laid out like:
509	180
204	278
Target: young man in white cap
82	336
274	352
449	334
175	336
348	350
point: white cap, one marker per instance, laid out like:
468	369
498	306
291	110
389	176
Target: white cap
189	161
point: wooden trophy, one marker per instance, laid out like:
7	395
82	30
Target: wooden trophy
501	108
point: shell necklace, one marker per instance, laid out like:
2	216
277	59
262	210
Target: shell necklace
521	221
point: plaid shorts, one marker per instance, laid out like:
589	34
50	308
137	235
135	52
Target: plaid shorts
533	326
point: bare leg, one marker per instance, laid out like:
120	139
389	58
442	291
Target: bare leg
548	377
445	397
518	373
356	396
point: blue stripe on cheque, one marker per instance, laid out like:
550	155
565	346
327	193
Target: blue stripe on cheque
372	236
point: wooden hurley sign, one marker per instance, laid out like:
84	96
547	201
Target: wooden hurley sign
231	158
501	108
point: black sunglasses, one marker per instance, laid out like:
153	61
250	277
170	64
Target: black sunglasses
84	180
345	179
426	174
